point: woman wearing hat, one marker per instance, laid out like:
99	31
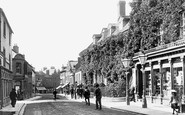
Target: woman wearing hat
174	102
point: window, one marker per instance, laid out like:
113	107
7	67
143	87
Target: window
10	38
4	52
4	29
10	62
18	67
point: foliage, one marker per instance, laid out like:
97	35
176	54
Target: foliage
116	89
152	22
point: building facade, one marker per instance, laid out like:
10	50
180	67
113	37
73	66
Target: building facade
70	71
22	75
6	78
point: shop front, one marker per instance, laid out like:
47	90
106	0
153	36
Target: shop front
164	71
6	85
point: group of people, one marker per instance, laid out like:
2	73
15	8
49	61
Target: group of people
86	94
78	93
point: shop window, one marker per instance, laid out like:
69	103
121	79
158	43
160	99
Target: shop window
148	83
156	82
178	82
166	82
18	68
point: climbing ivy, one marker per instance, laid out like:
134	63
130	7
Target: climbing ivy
151	22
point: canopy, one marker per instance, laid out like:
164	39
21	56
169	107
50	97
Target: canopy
65	85
59	87
41	88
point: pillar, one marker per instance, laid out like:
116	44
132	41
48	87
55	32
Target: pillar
144	103
152	81
183	79
161	80
137	82
171	72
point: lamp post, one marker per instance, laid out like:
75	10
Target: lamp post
142	59
126	64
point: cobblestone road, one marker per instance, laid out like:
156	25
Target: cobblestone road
64	107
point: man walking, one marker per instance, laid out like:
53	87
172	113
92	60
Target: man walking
98	97
13	97
87	96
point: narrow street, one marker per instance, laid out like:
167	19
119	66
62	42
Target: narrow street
47	106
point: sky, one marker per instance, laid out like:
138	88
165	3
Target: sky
52	32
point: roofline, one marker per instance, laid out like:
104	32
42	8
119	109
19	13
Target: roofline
2	12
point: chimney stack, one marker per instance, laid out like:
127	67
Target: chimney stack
16	48
121	8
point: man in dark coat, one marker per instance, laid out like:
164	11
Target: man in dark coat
55	94
13	97
98	95
72	92
87	96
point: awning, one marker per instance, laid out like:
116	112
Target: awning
65	85
41	88
59	87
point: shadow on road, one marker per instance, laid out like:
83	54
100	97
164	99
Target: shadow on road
6	113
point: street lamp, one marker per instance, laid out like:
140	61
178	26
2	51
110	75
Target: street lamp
142	59
126	63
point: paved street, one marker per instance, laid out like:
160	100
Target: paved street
47	106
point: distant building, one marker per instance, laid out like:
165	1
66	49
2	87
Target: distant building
70	73
49	71
6	78
78	74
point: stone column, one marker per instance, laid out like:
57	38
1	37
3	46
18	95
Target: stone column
171	72
137	82
161	80
183	79
152	81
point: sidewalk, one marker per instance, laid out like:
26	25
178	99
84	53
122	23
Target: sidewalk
18	107
134	107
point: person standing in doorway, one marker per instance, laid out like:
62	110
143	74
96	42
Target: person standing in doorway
87	95
98	95
13	96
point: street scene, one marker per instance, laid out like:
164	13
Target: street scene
61	106
95	57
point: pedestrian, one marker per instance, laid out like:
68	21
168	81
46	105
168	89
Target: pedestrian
78	92
174	102
87	96
81	92
98	97
132	94
72	92
13	96
55	94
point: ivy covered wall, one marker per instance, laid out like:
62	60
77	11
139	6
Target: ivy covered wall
152	23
